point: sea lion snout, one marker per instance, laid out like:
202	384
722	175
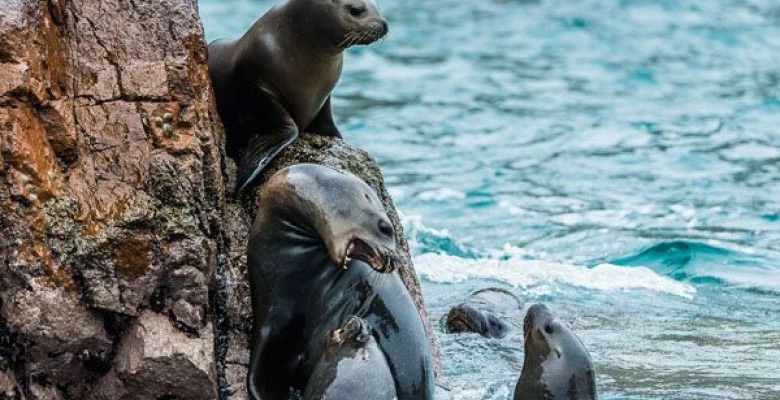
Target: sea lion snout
372	241
364	23
537	314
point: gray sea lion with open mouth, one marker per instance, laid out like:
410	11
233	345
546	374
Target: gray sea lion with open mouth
321	250
276	80
557	366
488	311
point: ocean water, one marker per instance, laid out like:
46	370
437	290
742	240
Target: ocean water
618	160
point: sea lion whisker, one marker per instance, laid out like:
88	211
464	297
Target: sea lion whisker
347	38
344	41
368	35
358	39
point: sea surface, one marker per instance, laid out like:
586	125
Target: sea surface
617	160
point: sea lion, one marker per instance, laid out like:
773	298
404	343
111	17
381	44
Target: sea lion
557	366
484	312
276	80
319	252
352	367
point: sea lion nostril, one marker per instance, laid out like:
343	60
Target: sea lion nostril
385	228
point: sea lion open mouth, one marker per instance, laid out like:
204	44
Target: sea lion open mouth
381	260
365	35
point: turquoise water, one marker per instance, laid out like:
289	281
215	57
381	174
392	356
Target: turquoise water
617	160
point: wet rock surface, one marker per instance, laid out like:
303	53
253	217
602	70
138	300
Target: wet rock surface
122	260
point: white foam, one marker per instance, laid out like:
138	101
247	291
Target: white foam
441	195
543	276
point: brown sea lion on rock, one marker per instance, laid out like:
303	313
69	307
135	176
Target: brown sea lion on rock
557	366
276	80
485	312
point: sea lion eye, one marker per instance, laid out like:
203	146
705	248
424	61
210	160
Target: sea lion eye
356	11
385	228
549	329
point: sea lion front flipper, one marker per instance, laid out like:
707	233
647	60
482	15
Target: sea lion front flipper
263	379
264	146
323	122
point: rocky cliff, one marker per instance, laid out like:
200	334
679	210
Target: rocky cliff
122	265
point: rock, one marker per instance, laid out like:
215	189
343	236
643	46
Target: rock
104	216
9	389
45	392
63	339
156	360
235	375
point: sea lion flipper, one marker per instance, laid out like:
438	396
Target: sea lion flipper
262	149
323	122
257	368
258	346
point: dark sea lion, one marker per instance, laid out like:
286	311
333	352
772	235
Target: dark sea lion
352	367
557	366
319	252
484	312
276	80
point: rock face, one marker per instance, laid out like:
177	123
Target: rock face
111	200
122	265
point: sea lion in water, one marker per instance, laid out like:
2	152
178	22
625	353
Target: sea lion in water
557	366
276	80
352	367
319	252
484	312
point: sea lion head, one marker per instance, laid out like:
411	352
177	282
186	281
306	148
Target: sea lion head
466	318
338	208
360	21
484	312
557	365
